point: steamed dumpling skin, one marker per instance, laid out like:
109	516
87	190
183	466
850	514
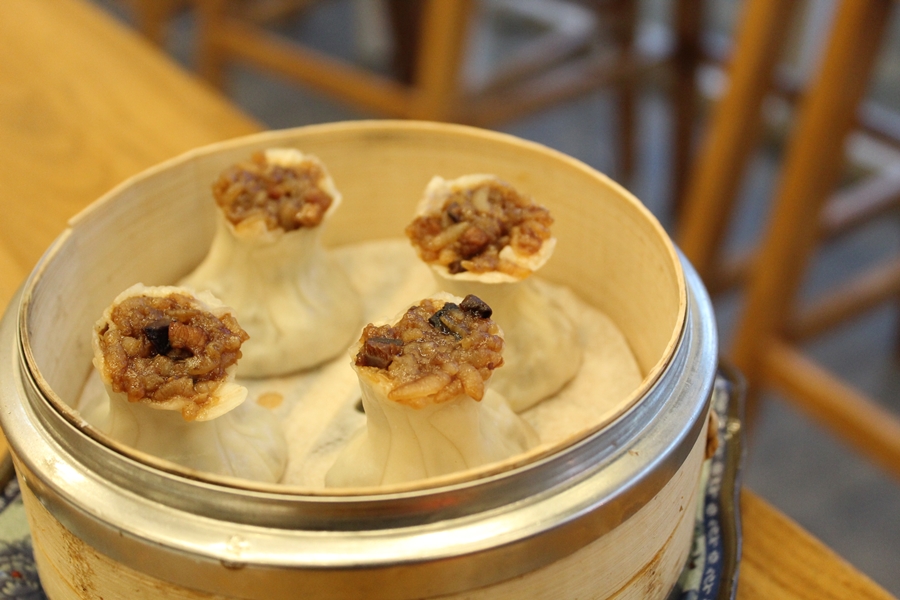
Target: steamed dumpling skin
295	302
292	297
227	436
401	443
411	436
247	442
543	350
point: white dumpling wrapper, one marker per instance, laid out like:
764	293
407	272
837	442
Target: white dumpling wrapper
293	299
247	442
543	350
228	437
401	442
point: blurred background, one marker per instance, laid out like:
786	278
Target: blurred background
626	87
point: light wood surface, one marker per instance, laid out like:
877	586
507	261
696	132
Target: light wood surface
85	104
782	561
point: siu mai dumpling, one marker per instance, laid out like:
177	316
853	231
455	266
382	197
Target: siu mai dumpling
424	390
267	262
481	236
168	358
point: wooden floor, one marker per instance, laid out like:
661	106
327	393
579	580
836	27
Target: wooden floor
841	499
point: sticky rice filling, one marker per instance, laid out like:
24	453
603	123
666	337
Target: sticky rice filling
475	224
435	352
284	197
160	348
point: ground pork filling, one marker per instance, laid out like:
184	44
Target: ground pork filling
475	224
158	349
436	351
283	197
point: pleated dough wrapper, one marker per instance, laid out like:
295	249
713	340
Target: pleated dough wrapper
294	300
414	440
227	437
543	350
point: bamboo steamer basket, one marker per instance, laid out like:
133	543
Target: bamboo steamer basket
607	513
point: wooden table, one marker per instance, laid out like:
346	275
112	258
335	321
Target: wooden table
84	104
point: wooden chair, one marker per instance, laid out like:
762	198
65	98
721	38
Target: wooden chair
766	345
431	38
152	16
721	163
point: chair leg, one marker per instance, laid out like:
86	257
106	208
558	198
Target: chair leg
734	129
688	30
152	16
406	25
442	37
812	170
211	57
624	15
